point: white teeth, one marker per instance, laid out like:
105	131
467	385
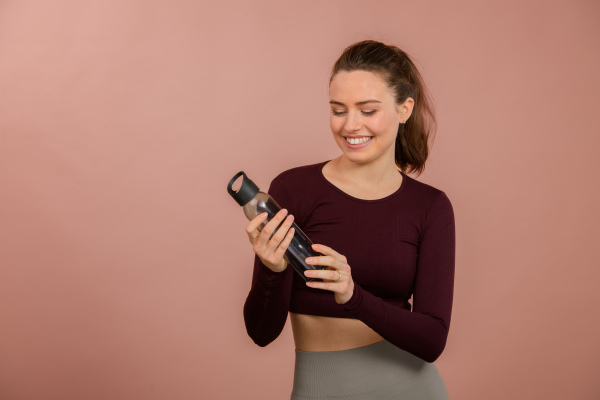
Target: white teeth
358	141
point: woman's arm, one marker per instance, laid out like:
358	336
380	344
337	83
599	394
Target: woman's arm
422	332
267	304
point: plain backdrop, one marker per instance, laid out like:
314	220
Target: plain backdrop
124	263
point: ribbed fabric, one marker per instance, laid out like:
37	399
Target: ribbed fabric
379	371
396	246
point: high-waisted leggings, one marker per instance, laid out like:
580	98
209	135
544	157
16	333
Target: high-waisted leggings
375	372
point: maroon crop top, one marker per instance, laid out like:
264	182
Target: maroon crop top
396	246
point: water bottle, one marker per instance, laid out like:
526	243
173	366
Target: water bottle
256	202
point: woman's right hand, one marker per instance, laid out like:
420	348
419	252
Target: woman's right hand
269	249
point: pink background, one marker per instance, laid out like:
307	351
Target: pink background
124	263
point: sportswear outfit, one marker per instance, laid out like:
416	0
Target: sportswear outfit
396	246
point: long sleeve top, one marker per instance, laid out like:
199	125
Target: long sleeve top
396	246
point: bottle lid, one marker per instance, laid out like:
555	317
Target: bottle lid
246	192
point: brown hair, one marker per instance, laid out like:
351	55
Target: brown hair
403	78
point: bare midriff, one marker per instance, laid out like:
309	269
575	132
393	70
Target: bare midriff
318	333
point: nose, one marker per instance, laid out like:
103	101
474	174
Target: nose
353	122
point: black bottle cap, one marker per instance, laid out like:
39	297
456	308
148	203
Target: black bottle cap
246	192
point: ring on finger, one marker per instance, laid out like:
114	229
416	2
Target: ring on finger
340	276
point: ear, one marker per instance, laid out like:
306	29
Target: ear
405	109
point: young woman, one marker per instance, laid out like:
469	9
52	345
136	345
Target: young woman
383	236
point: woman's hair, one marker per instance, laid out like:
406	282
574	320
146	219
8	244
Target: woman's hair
403	78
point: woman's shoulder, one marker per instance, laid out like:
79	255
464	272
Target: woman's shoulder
427	195
422	188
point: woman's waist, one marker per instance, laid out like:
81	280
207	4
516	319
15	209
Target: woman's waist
321	333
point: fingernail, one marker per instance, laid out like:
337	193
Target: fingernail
316	246
309	260
308	273
263	215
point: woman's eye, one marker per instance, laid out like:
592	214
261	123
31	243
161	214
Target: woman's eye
344	112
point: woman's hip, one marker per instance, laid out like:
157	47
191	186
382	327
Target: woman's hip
377	371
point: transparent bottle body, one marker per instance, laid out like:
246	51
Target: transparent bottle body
299	248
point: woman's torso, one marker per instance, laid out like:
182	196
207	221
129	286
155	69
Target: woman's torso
319	333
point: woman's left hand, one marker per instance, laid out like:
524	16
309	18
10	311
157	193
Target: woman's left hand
336	277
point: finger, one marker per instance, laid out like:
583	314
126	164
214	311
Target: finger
252	226
329	274
325	249
284	243
320	260
283	230
321	248
269	228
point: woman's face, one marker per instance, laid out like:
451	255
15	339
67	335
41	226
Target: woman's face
363	107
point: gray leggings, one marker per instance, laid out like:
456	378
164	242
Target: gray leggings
379	371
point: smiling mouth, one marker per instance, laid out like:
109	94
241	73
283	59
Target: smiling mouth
361	140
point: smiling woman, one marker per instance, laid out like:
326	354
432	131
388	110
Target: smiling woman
364	114
383	236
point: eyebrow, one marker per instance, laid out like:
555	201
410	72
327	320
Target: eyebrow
358	104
